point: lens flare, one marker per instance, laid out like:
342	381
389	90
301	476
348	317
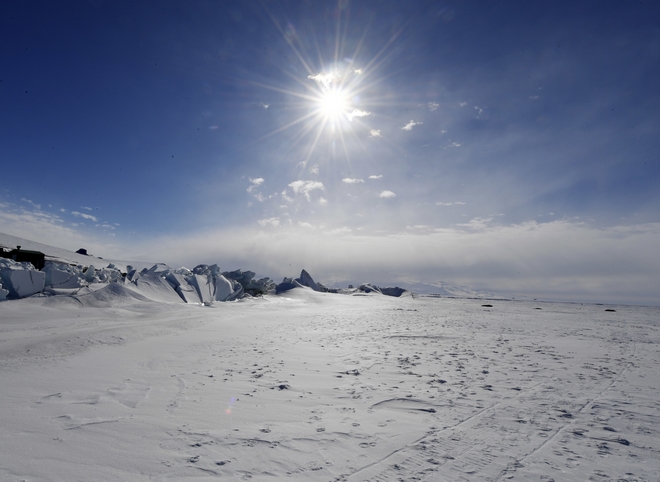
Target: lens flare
231	404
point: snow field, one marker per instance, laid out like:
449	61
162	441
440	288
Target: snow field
316	386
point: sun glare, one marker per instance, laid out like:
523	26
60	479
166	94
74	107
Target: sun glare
332	98
333	104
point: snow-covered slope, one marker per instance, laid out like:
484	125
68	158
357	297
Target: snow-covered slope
445	288
63	255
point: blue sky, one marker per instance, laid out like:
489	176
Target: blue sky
511	146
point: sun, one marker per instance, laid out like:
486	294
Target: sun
329	97
333	104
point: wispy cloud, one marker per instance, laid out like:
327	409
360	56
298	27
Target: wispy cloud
323	201
349	180
269	222
49	228
374	176
84	216
339	231
33	204
410	125
477	223
306	187
463	104
455	203
386	194
324	79
374	133
265	106
433	106
358	113
86	208
255	183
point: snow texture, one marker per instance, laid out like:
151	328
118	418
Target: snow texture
309	386
112	382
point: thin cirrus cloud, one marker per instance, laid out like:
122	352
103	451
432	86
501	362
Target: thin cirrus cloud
84	216
31	203
456	203
410	125
374	176
306	187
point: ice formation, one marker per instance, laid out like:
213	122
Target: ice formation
3	293
203	284
20	279
63	276
306	281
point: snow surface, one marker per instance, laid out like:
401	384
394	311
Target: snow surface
121	381
110	385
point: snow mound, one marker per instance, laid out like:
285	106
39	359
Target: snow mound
111	295
155	286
